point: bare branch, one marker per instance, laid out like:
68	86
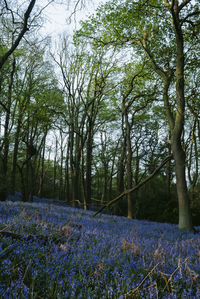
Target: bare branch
4	106
188	16
4	58
183	4
82	4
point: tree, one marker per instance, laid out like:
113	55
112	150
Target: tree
162	31
85	77
134	92
34	101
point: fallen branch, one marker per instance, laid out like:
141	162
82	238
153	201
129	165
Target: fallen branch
136	187
132	292
98	200
59	236
10	234
30	237
5	252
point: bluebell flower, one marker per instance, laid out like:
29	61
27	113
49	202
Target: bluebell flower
72	271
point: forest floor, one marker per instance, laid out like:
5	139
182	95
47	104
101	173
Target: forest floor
52	251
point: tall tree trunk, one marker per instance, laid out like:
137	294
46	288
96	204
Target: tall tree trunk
193	165
121	168
61	168
41	182
4	179
185	221
75	155
55	171
89	145
176	124
83	181
15	154
136	180
66	182
121	173
112	172
169	171
129	166
23	184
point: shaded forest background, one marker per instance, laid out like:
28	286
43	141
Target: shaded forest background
82	123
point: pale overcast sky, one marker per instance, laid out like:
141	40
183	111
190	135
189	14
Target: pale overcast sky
57	16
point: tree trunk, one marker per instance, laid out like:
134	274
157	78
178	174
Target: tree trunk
55	171
129	166
185	221
169	171
66	183
15	154
176	124
120	177
41	179
181	186
136	179
121	166
89	166
4	179
61	168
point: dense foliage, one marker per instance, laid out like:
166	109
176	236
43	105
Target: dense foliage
67	253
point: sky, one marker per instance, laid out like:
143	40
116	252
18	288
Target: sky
57	16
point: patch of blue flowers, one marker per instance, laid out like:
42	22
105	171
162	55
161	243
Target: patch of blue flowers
67	253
